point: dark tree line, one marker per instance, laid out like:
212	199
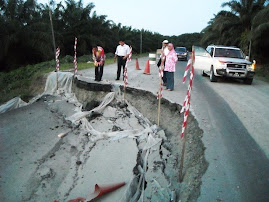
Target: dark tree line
25	34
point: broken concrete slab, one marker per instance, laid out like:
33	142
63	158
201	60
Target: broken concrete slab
28	135
107	163
68	170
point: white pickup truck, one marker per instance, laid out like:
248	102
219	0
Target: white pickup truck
224	61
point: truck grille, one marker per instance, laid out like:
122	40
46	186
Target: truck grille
240	66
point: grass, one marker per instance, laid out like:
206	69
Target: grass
262	72
26	82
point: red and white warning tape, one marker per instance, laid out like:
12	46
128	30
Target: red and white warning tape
125	69
75	57
186	104
186	70
57	59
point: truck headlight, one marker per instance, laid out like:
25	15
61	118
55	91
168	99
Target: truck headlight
252	66
220	64
249	67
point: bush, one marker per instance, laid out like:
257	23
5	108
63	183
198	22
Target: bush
109	55
84	58
262	71
67	59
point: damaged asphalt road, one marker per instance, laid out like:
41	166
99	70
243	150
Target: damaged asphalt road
36	165
236	150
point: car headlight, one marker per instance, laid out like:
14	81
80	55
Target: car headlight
184	53
252	66
220	64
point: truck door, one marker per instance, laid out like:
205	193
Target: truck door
202	59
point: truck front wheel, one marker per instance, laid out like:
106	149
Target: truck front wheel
248	81
212	76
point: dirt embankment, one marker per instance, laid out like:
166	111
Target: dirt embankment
171	120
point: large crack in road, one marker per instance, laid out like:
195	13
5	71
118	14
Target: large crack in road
36	165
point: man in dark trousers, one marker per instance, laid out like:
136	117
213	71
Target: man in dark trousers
122	53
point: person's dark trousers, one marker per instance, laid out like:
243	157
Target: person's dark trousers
170	80
96	73
164	77
121	63
99	72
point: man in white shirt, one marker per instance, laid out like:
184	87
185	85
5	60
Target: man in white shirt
165	52
122	53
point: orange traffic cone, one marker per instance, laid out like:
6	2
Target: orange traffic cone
101	190
137	65
147	69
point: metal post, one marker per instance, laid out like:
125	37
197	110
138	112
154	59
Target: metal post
52	31
249	48
53	41
141	41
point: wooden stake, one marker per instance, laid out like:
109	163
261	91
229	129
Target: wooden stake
180	178
159	111
56	81
159	105
159	108
124	94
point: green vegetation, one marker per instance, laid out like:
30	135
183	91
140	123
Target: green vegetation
19	81
186	40
262	72
27	37
27	81
26	40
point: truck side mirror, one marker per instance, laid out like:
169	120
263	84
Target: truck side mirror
247	57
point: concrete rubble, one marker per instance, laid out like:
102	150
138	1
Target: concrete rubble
110	143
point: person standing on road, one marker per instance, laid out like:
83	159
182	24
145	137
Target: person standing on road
98	56
164	53
122	53
170	67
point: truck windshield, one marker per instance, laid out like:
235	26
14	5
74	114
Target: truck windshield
229	53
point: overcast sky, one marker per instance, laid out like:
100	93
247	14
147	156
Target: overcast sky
170	17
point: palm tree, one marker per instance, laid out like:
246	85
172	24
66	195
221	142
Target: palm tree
246	11
260	33
224	29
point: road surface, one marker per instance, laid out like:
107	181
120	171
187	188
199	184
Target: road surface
235	120
233	116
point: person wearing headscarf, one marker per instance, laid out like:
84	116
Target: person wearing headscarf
98	56
170	67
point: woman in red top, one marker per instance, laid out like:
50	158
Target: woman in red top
98	56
